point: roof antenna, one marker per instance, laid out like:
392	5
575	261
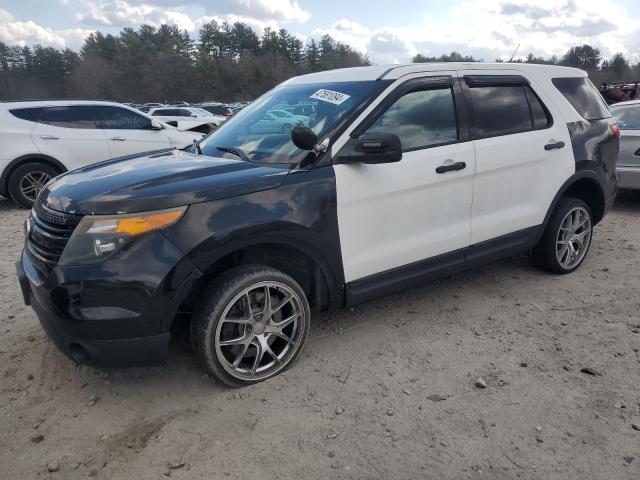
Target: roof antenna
514	53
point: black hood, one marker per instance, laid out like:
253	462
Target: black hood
156	181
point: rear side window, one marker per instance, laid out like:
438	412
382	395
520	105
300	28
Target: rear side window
30	114
421	119
583	96
115	118
77	116
507	109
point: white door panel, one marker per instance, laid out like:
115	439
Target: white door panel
394	214
516	181
73	147
126	142
516	178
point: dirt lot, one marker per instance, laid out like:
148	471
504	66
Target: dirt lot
357	403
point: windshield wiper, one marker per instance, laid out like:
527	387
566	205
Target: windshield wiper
236	151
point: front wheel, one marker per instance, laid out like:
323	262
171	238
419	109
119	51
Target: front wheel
251	325
26	182
567	238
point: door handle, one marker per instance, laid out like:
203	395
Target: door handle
49	137
117	139
452	167
554	146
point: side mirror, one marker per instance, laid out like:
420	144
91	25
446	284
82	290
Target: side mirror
173	123
304	138
372	148
155	125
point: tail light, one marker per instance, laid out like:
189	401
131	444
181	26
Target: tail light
615	130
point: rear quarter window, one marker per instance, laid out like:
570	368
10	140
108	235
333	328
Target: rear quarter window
30	114
583	96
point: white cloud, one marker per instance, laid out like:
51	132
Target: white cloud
120	13
15	32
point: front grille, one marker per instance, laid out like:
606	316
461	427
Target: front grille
50	232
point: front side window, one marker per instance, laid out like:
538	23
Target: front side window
583	96
264	137
421	119
77	116
628	116
115	118
505	110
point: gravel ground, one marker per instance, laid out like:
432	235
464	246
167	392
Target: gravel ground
385	390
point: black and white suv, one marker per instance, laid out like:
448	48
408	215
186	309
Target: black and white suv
401	175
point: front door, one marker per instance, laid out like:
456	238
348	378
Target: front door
128	132
392	215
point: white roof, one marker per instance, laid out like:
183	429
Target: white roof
55	103
393	72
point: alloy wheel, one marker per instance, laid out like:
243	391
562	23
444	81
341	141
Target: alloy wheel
32	184
260	331
574	237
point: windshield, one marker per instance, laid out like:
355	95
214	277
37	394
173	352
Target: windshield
262	130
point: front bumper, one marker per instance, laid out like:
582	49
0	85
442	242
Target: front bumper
628	178
107	316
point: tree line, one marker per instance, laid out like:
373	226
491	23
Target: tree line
226	62
585	57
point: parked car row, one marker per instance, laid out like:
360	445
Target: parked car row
620	92
41	139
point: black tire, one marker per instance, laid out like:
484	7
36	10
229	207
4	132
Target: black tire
18	176
206	327
545	255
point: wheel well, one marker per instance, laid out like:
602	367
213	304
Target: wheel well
290	260
591	193
52	162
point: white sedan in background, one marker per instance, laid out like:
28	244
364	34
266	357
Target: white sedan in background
41	139
628	167
188	118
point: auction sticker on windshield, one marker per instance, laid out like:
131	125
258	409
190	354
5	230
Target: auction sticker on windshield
330	96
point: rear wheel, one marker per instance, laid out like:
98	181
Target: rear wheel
251	326
567	238
27	181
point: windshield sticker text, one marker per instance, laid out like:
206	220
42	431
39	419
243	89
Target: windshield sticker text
330	96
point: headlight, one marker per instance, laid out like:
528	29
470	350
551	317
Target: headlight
98	236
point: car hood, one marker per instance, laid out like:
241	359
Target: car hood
155	181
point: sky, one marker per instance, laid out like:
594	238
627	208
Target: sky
387	31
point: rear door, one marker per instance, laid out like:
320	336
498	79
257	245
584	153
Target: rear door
523	152
394	214
68	133
128	132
